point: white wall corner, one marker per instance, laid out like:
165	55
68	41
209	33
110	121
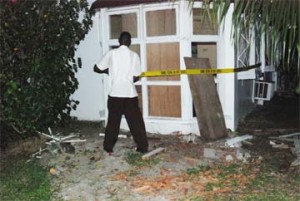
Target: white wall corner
90	91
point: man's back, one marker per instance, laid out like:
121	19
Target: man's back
123	65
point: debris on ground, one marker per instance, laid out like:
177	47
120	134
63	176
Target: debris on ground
152	153
295	139
57	144
237	141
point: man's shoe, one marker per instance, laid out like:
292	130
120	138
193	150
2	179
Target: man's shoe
109	151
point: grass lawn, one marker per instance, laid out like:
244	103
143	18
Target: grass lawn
24	181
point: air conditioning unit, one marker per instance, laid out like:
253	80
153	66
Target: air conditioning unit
263	91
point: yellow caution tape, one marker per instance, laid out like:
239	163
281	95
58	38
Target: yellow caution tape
199	71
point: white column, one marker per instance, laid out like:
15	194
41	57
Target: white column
226	58
185	29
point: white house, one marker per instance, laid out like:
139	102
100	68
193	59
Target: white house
163	34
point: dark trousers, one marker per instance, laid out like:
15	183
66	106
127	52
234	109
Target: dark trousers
128	107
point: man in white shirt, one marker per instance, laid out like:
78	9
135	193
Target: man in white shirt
124	68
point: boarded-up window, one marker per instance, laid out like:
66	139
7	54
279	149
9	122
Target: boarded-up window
163	56
161	22
136	48
203	24
208	50
164	101
123	22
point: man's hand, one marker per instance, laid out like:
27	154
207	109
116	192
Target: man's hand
97	70
135	79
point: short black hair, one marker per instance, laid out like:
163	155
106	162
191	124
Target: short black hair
125	38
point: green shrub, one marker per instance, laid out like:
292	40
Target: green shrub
38	40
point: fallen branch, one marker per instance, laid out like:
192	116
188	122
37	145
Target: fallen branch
73	141
156	151
49	136
37	154
55	143
236	141
67	137
295	163
270	131
282	139
290	135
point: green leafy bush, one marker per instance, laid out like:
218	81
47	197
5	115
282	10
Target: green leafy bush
38	40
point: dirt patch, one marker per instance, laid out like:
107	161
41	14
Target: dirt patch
91	174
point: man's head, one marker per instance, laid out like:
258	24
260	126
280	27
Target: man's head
125	38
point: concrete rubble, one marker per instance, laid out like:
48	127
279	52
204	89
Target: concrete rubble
228	155
229	150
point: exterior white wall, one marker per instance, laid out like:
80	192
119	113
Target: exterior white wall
91	89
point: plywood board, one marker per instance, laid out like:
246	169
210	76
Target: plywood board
161	22
115	26
208	50
123	22
129	23
163	56
136	48
207	104
202	23
164	101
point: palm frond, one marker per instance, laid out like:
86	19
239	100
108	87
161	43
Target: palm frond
278	20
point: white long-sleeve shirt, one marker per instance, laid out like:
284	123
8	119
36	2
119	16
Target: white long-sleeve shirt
123	64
